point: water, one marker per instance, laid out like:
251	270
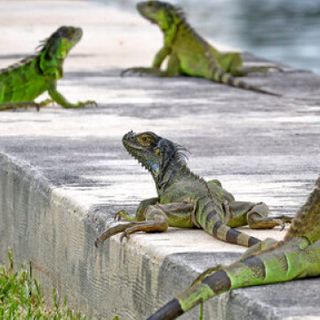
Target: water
280	30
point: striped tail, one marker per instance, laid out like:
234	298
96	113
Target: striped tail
211	286
208	218
284	263
230	235
226	78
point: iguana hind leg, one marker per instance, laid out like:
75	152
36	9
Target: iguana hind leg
245	70
255	215
232	62
258	218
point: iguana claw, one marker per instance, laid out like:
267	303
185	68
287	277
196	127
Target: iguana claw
124	235
88	103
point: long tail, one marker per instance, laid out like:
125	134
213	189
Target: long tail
209	220
230	235
286	262
226	78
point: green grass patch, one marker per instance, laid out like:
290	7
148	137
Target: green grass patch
21	297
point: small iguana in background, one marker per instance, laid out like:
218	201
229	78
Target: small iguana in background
185	200
297	256
24	81
189	54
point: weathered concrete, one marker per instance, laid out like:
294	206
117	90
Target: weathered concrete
63	173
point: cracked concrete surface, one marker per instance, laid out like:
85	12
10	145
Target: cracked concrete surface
63	173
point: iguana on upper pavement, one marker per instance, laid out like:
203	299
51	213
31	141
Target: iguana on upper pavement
24	81
189	54
185	200
297	256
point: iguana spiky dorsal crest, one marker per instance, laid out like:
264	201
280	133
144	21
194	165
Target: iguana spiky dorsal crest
306	223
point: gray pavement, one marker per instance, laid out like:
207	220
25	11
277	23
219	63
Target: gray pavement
64	173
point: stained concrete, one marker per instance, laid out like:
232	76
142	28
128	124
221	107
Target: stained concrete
63	173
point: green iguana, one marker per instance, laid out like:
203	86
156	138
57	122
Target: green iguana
297	256
189	54
24	81
185	200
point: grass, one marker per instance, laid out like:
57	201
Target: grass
21	297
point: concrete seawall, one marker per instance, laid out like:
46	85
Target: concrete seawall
63	173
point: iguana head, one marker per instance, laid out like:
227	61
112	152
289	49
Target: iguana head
61	42
153	152
162	13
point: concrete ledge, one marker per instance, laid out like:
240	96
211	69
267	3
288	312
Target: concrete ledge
52	230
63	173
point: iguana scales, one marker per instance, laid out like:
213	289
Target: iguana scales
24	81
191	55
185	200
297	256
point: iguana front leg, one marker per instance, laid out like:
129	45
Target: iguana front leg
160	56
156	221
172	69
63	102
140	213
158	217
31	104
155	68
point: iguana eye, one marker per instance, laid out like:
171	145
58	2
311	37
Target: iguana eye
145	140
157	151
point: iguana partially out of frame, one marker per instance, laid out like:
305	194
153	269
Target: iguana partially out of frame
24	81
185	200
297	256
189	54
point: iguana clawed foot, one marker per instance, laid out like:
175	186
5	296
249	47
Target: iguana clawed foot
124	235
256	221
123	215
88	103
112	231
159	224
283	221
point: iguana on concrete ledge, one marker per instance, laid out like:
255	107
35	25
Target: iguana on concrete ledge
185	200
24	81
297	256
189	54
